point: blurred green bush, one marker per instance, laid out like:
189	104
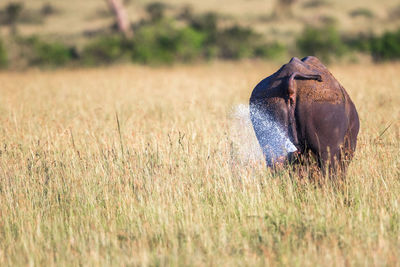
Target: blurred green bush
324	42
386	47
49	54
106	50
3	55
163	42
273	50
233	42
237	42
155	42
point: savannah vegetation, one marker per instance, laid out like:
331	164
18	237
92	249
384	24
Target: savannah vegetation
53	34
134	165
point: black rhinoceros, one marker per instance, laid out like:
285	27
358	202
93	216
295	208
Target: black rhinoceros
302	108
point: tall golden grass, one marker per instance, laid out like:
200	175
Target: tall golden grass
136	166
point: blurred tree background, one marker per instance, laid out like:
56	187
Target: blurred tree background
86	33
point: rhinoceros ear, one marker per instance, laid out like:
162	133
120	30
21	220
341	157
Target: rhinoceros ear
299	76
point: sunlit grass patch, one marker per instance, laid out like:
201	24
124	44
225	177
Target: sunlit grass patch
165	184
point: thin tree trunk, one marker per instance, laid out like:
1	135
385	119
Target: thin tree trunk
121	17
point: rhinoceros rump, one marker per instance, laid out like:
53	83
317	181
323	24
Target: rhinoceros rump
302	108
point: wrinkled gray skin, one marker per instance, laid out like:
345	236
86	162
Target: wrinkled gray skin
313	110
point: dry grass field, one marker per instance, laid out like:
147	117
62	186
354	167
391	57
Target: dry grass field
137	166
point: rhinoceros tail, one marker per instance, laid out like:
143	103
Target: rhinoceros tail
292	90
